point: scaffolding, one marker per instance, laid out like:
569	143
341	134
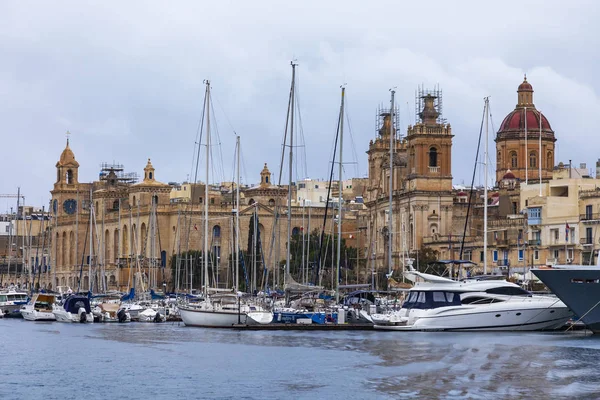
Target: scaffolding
383	112
128	178
420	95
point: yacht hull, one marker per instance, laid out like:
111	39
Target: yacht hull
34	315
210	318
525	317
578	288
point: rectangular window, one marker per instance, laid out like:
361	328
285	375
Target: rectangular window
521	255
495	255
536	254
572	235
588	235
555	233
556	253
570	254
467	256
481	256
588	212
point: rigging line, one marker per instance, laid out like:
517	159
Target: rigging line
285	132
225	114
218	143
319	264
301	136
462	244
352	142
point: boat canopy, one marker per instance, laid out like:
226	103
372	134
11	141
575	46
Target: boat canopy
74	303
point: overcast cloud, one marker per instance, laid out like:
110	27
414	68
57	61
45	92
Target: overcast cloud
126	78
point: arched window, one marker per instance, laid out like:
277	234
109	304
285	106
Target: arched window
532	160
63	249
72	255
134	201
499	159
433	157
216	231
513	159
251	201
295	231
271	202
549	161
150	174
69	177
266	179
116	244
155	199
115	205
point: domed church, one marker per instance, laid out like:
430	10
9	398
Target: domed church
518	141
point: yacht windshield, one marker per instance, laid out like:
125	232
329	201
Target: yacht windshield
427	300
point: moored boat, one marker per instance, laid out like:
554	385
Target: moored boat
74	309
39	308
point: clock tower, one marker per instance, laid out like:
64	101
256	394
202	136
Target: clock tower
64	200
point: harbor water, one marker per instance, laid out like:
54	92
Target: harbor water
170	361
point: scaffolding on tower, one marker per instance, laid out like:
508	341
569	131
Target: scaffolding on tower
127	178
383	112
436	93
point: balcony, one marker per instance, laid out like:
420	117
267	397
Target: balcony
501	242
535	242
551	261
590	218
586	241
504	263
534	221
434	170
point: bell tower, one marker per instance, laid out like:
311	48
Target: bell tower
429	146
265	177
66	169
67	184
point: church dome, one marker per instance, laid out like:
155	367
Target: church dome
509	175
525	113
515	120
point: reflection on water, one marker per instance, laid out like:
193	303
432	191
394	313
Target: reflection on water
58	361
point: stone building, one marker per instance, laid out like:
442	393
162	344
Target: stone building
136	228
422	195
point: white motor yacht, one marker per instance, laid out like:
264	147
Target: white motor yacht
39	308
498	305
11	302
74	309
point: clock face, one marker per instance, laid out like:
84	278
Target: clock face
70	206
55	206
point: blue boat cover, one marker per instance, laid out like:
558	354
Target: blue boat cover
74	303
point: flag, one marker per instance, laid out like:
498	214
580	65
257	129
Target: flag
567	229
195	227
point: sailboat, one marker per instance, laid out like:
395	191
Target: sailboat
219	310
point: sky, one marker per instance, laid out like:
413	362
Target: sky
127	80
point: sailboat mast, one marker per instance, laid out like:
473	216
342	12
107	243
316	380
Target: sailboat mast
340	186
91	243
206	188
289	205
237	219
485	188
391	185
